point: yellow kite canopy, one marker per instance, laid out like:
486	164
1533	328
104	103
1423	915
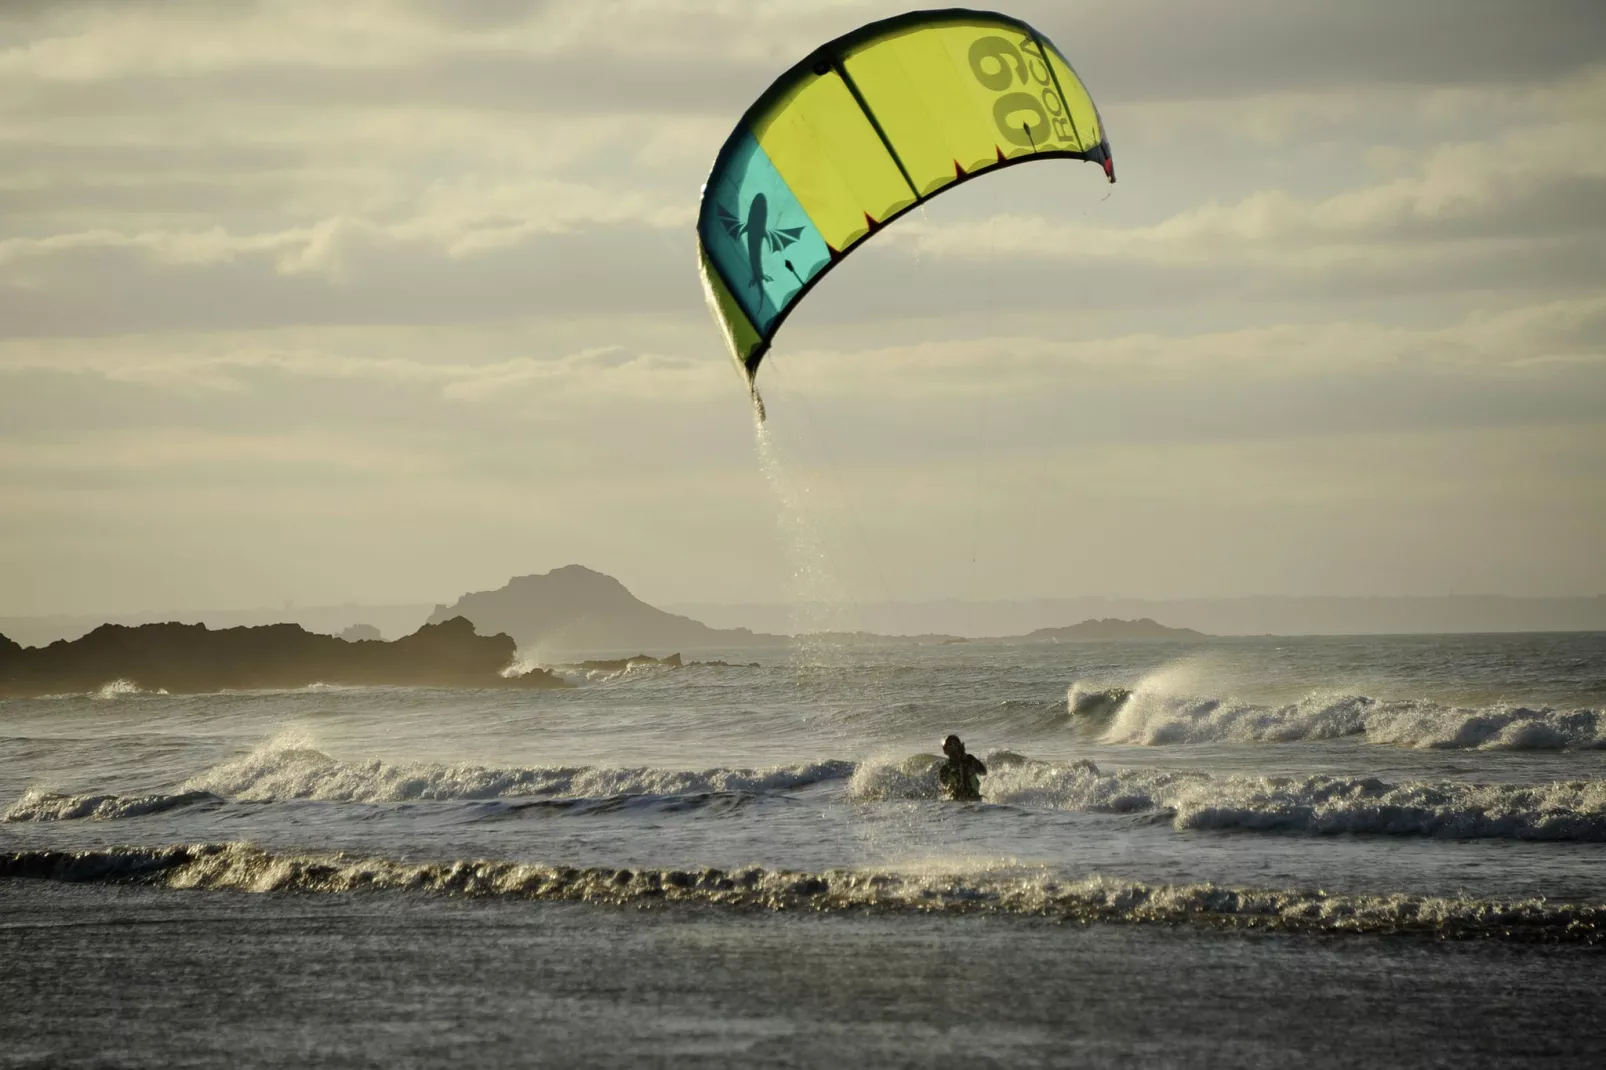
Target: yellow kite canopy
867	127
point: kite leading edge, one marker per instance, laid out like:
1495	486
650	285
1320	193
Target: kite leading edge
865	128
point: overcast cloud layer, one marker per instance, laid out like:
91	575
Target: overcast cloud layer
388	301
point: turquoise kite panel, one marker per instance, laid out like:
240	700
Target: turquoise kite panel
758	235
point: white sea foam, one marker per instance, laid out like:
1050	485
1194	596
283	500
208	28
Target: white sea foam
114	689
1562	810
632	670
1187	799
243	867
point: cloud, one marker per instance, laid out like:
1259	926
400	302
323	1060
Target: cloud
1146	47
229	364
1530	184
458	217
1156	50
477	388
358	184
336	289
339	272
117	456
1524	338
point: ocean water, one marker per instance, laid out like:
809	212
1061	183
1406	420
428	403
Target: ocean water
1353	851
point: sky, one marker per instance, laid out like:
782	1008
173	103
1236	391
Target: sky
383	302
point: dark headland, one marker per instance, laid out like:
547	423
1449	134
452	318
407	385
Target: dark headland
191	658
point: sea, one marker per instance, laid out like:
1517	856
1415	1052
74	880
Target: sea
1237	852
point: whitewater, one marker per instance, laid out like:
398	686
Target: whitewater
1148	808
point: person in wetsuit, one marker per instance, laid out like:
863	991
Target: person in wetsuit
960	776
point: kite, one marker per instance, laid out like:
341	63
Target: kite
864	129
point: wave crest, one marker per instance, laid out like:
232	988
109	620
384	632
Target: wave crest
1559	811
52	806
272	774
1567	811
243	867
1154	715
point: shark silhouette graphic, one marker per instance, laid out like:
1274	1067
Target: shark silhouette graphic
760	236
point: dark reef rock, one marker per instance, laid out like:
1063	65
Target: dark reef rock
193	658
622	664
646	661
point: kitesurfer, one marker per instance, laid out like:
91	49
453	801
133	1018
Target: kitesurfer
960	776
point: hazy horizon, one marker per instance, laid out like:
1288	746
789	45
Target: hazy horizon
381	303
1245	615
690	603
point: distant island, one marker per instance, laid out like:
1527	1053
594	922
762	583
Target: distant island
575	609
718	625
1111	628
191	658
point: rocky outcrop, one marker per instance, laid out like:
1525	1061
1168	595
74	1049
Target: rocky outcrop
595	667
193	658
638	661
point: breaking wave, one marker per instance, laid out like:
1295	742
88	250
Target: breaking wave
1559	811
1568	811
1154	715
243	867
272	774
51	806
121	688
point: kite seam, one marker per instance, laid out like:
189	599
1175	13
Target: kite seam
875	124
